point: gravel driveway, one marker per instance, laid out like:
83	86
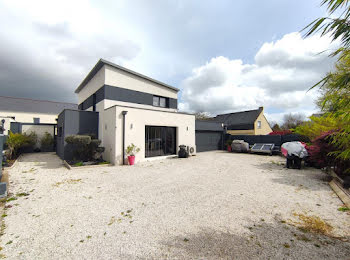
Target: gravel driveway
214	205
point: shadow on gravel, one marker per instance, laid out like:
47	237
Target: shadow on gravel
307	177
42	160
261	241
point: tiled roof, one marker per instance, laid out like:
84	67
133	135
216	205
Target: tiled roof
239	120
14	104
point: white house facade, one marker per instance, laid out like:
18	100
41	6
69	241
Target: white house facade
134	108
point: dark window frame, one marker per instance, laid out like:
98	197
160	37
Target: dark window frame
164	104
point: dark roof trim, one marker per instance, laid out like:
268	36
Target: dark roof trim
102	62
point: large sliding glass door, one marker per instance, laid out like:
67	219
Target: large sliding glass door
160	140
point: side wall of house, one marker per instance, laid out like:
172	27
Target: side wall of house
136	122
108	130
92	86
241	132
265	127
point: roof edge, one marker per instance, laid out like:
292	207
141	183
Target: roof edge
102	62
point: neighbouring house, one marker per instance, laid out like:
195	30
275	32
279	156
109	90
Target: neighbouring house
252	122
27	112
123	107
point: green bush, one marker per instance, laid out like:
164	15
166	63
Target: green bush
84	147
46	140
17	141
78	139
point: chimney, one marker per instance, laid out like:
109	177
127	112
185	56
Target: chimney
261	108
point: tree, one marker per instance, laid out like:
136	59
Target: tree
337	28
276	128
318	125
335	86
202	115
291	121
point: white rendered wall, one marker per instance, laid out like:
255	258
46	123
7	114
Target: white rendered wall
25	118
92	86
137	119
108	130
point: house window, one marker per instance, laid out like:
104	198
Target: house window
259	124
36	120
159	101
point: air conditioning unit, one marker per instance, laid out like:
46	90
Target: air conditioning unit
191	150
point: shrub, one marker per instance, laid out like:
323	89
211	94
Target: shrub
282	132
17	141
318	125
47	140
228	142
322	153
84	147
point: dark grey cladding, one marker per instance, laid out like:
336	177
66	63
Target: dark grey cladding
124	95
206	125
74	122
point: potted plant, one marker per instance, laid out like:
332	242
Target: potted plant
228	144
131	150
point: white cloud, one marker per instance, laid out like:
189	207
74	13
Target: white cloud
278	80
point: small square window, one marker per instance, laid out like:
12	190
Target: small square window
155	101
36	120
259	124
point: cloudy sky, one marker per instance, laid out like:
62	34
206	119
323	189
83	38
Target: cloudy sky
224	55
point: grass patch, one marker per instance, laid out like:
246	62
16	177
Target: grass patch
22	194
313	224
102	163
78	164
4	215
68	181
9	242
11	199
343	209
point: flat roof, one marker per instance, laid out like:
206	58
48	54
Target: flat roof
102	62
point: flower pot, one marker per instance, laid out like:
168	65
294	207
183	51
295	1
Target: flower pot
131	159
229	148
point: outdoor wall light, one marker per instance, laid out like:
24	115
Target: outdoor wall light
187	128
131	126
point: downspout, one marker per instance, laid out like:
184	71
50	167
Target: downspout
124	114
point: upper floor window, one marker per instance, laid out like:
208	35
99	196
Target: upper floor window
36	120
259	124
159	101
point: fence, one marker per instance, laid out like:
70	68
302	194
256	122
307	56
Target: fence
278	140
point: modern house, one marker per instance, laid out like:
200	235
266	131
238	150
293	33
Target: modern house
252	122
30	111
128	108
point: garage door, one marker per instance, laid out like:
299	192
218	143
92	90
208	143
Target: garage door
208	141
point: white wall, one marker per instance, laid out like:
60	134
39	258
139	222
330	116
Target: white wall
122	79
137	119
40	130
92	86
108	133
25	118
